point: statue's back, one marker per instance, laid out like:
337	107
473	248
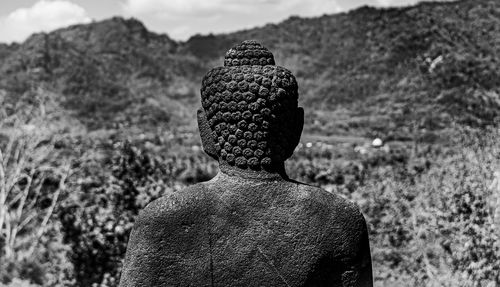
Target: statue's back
250	225
247	232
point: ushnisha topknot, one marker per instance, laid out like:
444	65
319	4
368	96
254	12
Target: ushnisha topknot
249	108
249	52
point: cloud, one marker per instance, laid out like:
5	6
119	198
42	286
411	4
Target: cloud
182	18
172	8
396	3
315	7
384	2
43	16
203	8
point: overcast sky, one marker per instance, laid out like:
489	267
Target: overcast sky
180	19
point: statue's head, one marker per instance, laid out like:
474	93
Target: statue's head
250	118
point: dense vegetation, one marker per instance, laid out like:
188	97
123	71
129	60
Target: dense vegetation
97	120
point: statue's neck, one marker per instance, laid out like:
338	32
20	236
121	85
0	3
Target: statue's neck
276	173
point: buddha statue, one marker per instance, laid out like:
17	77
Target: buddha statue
250	225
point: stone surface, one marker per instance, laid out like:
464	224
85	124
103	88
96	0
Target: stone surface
250	225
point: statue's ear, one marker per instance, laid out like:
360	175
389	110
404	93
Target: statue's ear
297	126
207	139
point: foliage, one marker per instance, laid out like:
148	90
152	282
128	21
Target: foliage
98	217
31	184
422	208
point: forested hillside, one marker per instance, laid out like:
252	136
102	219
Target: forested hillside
434	63
97	120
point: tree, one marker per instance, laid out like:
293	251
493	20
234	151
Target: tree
31	181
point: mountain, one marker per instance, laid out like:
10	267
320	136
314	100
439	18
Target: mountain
371	71
428	65
106	72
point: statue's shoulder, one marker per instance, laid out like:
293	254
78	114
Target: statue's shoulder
168	232
187	202
333	208
342	227
329	199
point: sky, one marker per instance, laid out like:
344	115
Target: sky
180	19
